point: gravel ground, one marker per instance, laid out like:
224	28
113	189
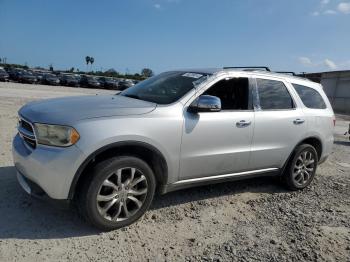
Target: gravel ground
252	220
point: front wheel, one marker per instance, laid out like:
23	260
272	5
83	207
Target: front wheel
120	191
301	168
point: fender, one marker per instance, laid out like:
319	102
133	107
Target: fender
105	148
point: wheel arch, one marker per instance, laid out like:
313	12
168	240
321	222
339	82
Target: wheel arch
315	141
150	154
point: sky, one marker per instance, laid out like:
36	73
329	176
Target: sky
291	35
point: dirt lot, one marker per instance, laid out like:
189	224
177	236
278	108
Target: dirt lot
253	220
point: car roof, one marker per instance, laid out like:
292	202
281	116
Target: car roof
247	71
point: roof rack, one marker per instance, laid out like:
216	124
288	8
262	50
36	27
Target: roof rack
248	67
286	72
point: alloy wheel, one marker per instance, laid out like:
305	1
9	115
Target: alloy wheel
304	168
122	194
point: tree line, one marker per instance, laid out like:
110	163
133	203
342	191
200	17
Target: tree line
145	72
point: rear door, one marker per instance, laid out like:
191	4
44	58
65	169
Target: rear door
279	123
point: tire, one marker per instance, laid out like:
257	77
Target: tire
107	200
301	168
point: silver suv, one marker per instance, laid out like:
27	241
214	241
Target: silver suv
109	154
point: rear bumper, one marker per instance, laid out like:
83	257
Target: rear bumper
327	149
46	170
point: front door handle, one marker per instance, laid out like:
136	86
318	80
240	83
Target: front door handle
243	123
298	121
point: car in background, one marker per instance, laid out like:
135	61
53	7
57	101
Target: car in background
124	84
89	81
50	79
69	80
4	76
108	82
24	76
14	73
39	76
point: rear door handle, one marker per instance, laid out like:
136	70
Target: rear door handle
243	123
298	121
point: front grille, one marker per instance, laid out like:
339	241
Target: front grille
30	142
26	131
26	126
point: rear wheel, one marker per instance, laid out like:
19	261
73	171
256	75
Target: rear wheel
301	168
120	192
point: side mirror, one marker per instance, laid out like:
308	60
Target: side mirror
205	103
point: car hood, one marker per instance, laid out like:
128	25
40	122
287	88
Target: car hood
68	110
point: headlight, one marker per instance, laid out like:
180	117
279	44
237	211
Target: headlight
54	135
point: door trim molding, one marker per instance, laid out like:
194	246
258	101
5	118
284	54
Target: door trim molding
218	179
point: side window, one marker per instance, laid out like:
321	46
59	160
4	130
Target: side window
273	95
310	97
233	92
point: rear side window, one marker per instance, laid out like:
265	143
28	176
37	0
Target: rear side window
310	97
273	95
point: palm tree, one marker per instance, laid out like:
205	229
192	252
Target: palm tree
88	60
92	60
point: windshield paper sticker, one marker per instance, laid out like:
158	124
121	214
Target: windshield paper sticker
192	75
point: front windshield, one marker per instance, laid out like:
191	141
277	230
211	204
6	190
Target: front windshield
165	88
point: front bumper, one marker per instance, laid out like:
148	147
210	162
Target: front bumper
50	169
4	78
37	192
53	83
94	85
73	83
28	80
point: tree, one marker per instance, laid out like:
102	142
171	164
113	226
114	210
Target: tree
71	70
111	72
88	60
92	60
51	67
146	72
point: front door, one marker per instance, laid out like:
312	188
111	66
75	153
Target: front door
216	143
